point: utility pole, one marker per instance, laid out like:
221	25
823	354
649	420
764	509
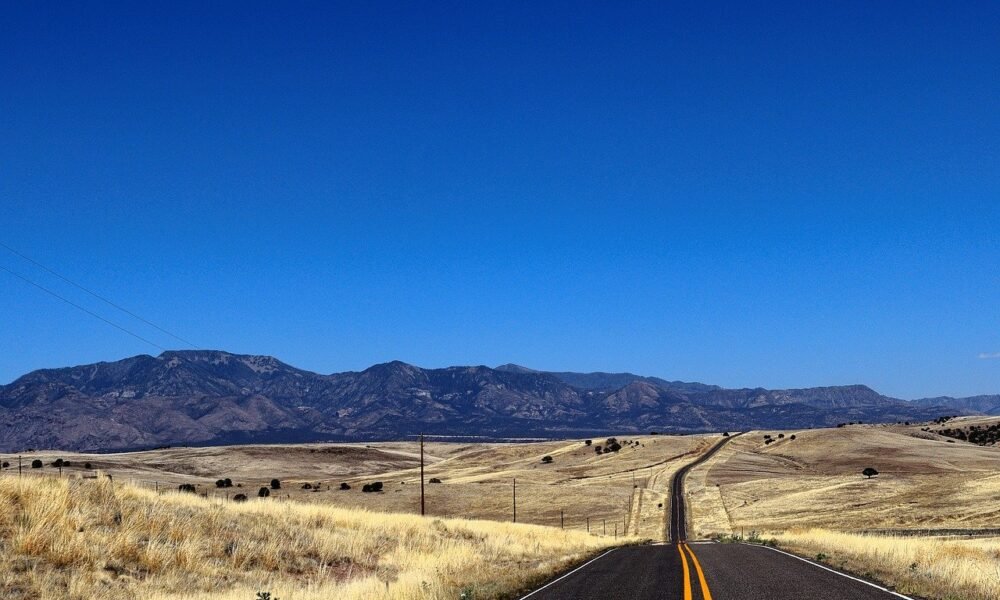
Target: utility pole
515	499
421	474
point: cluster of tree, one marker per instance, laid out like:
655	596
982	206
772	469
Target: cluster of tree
943	420
768	439
850	423
976	434
187	487
547	459
224	483
372	487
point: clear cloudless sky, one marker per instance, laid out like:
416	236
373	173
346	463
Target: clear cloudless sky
742	193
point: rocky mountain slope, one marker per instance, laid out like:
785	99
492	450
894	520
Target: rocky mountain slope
212	397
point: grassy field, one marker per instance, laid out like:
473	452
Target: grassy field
115	526
899	527
97	539
925	566
624	492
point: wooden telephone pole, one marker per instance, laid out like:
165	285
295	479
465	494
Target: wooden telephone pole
515	500
421	474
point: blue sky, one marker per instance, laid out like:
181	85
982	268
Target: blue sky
773	194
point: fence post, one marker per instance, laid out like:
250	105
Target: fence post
588	524
562	523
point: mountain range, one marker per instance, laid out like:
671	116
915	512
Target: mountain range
201	397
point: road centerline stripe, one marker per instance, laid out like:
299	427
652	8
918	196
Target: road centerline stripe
705	593
687	573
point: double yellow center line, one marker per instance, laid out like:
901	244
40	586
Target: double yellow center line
705	594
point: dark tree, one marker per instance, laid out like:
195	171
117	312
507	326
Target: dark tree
781	435
240	498
588	442
546	459
58	463
869	472
435	480
275	484
36	464
220	483
725	434
791	437
372	487
263	492
187	487
228	482
307	486
345	486
5	464
88	466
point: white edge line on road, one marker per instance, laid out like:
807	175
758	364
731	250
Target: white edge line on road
825	568
554	581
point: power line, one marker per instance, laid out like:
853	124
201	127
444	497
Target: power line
75	305
96	295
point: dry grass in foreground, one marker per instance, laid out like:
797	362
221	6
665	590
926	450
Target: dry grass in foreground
94	539
927	567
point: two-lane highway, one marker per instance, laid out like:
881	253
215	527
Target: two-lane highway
705	571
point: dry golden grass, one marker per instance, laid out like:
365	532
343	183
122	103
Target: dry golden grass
928	567
624	489
815	481
94	539
810	496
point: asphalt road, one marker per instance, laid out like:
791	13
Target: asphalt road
704	571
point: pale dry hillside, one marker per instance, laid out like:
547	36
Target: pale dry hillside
97	539
815	481
625	490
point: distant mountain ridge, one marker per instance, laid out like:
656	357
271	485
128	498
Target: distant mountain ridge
214	397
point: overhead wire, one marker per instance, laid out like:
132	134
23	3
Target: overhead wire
95	295
77	306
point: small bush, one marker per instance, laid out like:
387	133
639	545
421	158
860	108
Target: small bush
227	482
307	486
187	487
791	437
240	498
57	463
221	483
870	472
88	466
5	464
781	436
588	442
263	492
546	459
345	486
372	487
36	464
275	484
435	480
725	434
